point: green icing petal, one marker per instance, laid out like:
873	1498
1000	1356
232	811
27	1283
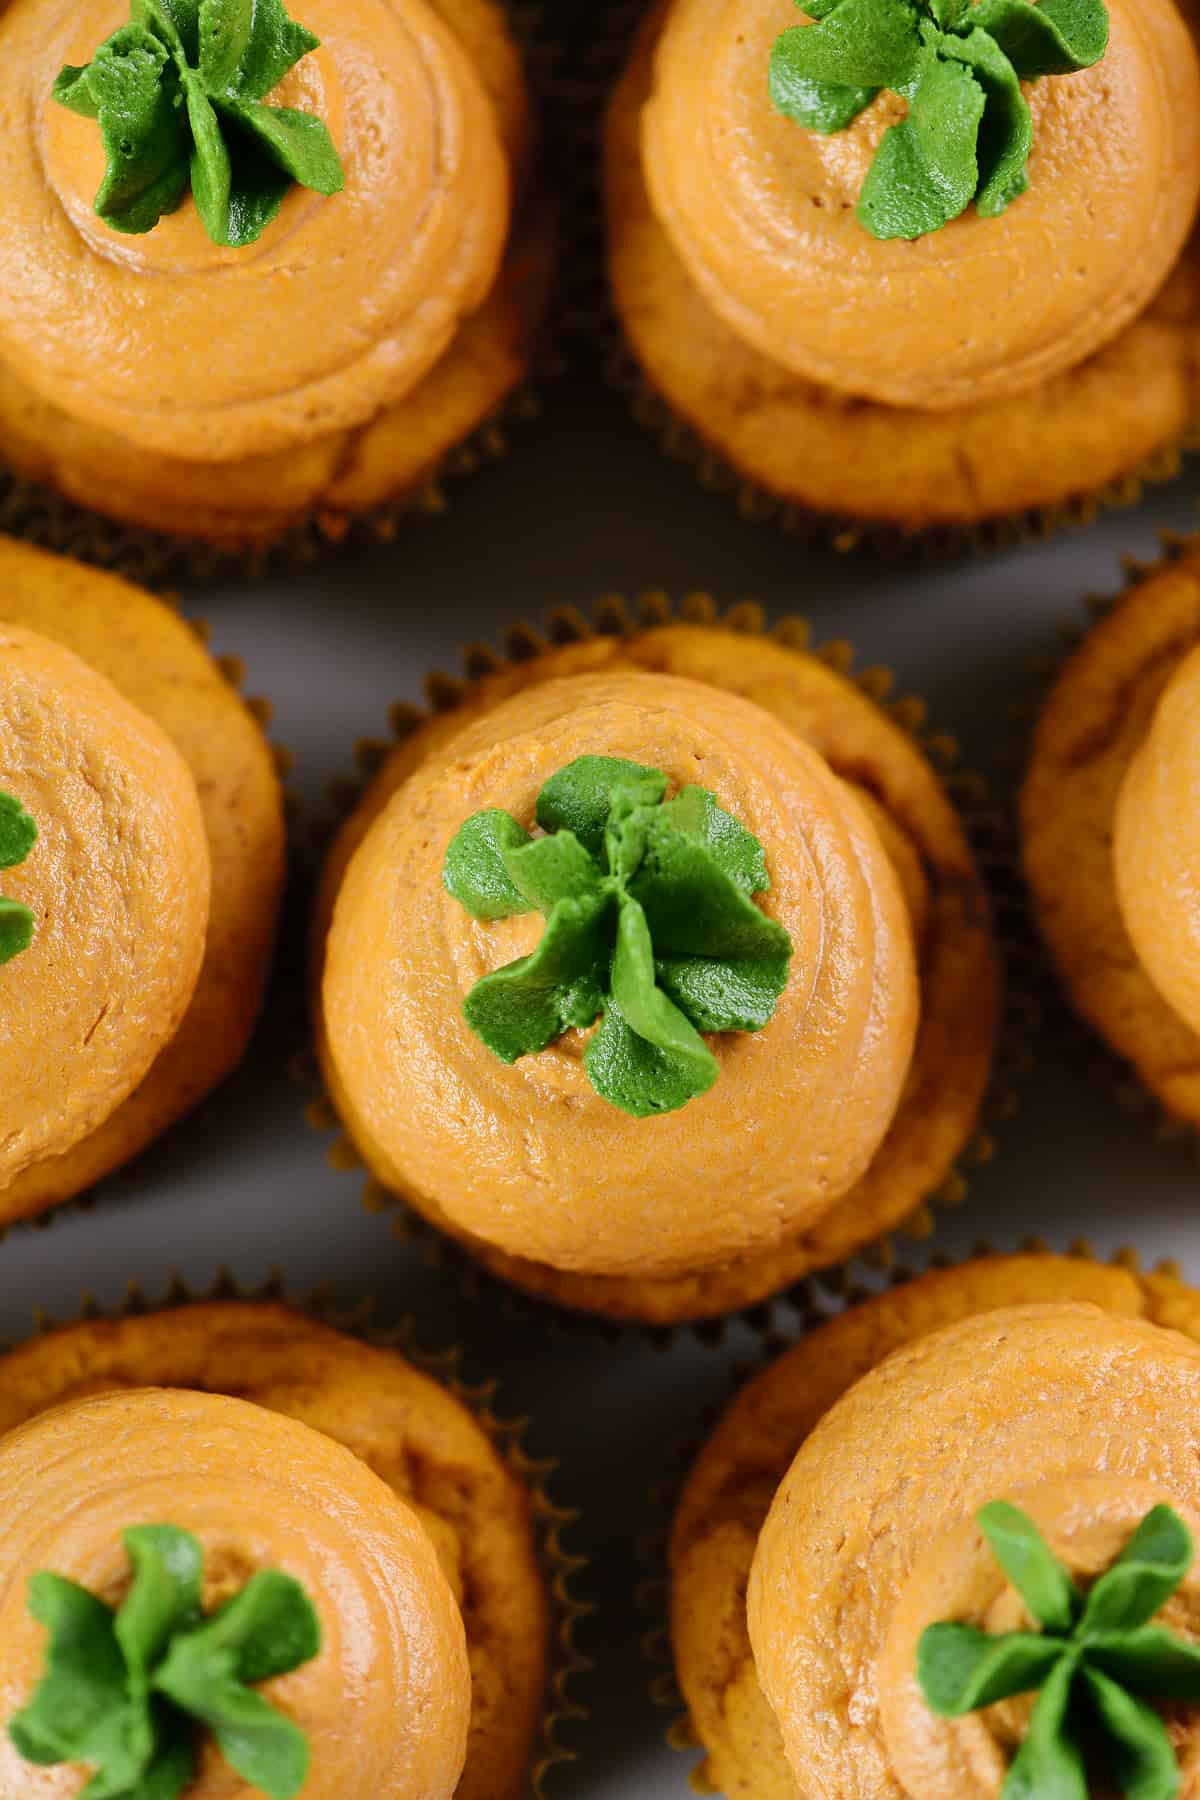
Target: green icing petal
968	131
719	994
83	1689
694	907
211	167
640	1077
1098	1662
18	835
16	929
824	106
1150	1661
164	1596
136	91
1139	1754
961	1668
579	798
1006	134
698	815
475	872
526	1005
859	44
124	1693
1055	37
1049	1765
925	172
177	94
1144	1576
265	1630
651	922
549	869
1030	1565
73	89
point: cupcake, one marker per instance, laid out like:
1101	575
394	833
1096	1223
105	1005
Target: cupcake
1110	840
943	1548
142	848
914	266
657	971
293	1562
263	271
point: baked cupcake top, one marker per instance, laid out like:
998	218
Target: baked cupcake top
106	895
337	306
597	957
980	1483
292	1621
766	206
1156	845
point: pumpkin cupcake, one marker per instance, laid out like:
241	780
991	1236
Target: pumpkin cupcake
1110	839
657	971
258	271
917	264
972	1490
142	844
243	1553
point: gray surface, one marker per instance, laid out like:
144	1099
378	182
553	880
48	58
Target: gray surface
585	505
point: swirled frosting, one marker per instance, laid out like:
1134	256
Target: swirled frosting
1083	1418
118	883
341	307
1156	845
384	1706
762	213
528	1157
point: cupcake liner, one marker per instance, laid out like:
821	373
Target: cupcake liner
880	538
1068	1034
261	710
822	1298
158	559
995	851
562	1568
595	324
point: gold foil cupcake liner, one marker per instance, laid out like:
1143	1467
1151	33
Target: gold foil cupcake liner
261	711
562	1568
159	560
992	841
822	1297
1066	1033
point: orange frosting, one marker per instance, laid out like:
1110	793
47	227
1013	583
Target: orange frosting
385	1704
871	1535
338	311
762	213
118	883
1156	845
528	1157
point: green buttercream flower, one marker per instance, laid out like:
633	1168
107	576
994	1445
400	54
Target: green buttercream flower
178	96
968	132
125	1691
651	927
1097	1659
18	835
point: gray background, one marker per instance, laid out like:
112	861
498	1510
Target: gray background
585	504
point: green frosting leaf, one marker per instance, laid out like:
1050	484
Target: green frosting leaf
1098	1661
651	927
1036	1573
968	131
18	835
961	1668
124	1691
178	97
475	872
